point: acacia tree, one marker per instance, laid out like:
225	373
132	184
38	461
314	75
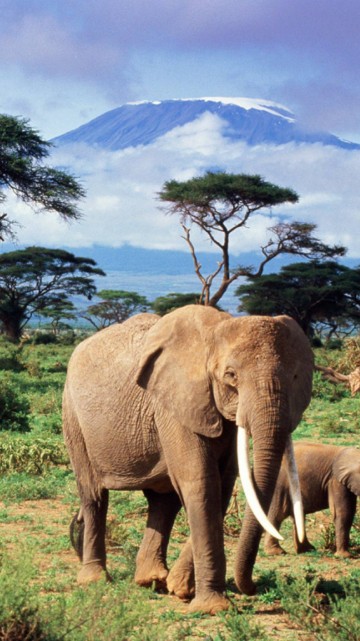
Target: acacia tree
164	304
221	204
22	170
115	307
37	278
323	294
60	311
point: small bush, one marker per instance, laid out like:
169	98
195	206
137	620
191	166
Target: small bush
14	409
327	391
19	612
240	626
67	338
43	338
334	343
32	456
327	610
9	356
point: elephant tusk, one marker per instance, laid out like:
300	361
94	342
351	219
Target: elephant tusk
248	485
295	491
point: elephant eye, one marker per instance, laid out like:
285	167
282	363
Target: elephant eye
230	377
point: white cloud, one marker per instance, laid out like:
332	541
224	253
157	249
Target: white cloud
122	207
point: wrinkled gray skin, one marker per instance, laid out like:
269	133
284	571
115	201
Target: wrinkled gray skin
152	404
329	477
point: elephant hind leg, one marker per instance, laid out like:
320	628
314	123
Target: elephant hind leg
94	513
77	533
151	567
343	508
87	530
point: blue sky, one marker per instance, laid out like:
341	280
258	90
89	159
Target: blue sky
64	62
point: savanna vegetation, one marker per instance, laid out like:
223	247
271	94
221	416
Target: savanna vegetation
307	597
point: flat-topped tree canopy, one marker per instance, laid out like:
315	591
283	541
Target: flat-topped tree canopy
221	203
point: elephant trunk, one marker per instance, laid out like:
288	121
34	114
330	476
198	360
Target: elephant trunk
269	445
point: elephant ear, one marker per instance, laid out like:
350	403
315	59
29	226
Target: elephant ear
346	469
173	367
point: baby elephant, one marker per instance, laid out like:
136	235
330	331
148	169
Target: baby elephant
329	477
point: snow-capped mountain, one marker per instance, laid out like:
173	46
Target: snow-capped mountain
141	123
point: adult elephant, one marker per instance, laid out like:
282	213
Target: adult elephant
155	404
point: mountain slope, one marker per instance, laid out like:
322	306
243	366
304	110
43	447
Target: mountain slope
253	121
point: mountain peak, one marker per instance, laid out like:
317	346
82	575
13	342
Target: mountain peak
254	121
245	103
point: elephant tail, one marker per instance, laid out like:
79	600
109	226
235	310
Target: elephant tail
77	533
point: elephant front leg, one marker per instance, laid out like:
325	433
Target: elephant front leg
204	510
94	553
151	559
181	578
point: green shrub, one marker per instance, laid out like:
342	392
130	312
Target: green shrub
240	626
43	338
327	391
334	343
9	356
326	609
31	455
14	408
19	611
21	486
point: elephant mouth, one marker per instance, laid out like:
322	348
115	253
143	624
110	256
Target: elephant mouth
250	492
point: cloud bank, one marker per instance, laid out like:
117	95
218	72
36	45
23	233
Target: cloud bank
122	187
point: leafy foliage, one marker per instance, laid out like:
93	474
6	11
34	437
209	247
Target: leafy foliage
165	304
219	204
325	609
115	307
33	455
22	152
14	409
37	278
314	293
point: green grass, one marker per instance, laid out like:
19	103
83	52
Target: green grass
308	597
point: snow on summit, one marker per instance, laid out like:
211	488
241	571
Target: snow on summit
252	103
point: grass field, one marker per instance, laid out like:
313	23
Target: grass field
306	597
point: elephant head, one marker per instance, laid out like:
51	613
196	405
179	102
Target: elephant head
255	372
346	469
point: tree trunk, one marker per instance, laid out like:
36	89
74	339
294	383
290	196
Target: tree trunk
12	328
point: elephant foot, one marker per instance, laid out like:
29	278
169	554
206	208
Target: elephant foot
246	586
343	554
181	581
304	547
209	603
147	574
274	550
91	572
